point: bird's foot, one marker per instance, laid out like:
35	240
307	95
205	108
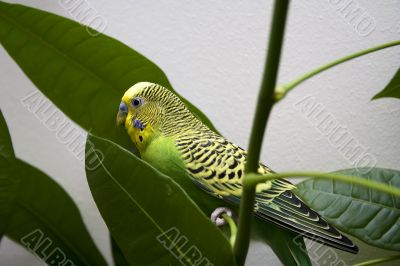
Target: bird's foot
216	216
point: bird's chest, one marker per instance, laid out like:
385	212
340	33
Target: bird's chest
162	154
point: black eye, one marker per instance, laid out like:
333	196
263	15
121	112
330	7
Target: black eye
136	102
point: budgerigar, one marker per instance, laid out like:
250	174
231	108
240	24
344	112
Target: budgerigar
176	142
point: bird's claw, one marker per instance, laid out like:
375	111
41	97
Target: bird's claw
216	216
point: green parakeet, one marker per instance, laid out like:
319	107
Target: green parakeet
176	142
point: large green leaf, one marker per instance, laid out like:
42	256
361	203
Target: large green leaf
36	212
392	89
84	75
6	183
43	213
369	215
151	218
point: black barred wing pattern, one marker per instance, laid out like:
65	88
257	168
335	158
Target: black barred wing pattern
217	166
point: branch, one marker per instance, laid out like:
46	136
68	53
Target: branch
377	261
282	90
254	179
232	228
264	106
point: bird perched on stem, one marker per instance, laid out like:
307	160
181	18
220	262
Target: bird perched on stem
177	143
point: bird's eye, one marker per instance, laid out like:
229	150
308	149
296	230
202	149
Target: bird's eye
136	102
123	108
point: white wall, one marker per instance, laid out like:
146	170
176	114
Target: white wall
213	53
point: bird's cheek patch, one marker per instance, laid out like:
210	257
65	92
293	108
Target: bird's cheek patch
138	124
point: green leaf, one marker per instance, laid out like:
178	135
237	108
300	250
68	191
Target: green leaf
370	215
392	89
35	212
151	218
6	184
118	256
84	75
288	247
42	214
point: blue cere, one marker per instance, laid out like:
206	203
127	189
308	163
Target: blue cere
123	108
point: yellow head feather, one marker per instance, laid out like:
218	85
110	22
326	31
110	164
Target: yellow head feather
149	110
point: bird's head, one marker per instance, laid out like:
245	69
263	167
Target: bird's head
147	105
142	104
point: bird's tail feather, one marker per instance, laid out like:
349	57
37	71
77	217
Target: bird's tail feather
290	212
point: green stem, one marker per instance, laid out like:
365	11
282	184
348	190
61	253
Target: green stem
264	106
232	228
244	223
265	99
282	90
254	179
377	261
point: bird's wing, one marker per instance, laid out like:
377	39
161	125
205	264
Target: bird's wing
217	166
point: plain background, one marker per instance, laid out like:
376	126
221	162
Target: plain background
213	54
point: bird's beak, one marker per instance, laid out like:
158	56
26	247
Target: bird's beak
121	117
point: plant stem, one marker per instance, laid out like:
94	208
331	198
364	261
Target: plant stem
265	98
232	228
282	90
264	106
254	179
244	223
377	261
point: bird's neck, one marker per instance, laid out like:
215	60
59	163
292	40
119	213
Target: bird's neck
175	125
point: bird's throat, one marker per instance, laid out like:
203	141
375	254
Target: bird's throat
141	137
